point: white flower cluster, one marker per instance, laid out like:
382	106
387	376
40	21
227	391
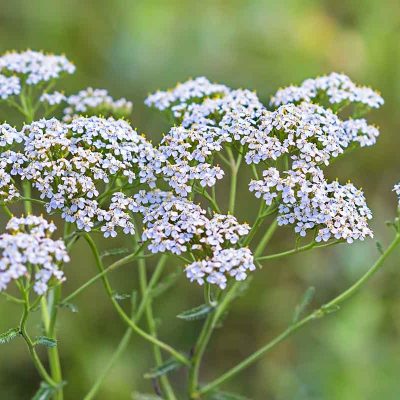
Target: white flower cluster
177	225
95	102
9	86
69	164
189	91
185	152
34	67
27	250
338	88
8	190
307	132
310	202
52	99
235	263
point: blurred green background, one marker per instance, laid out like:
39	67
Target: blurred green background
134	47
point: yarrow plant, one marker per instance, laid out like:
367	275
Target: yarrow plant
76	159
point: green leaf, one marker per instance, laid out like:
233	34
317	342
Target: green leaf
45	341
115	252
71	307
145	396
45	392
304	303
9	335
196	313
164	285
379	247
219	395
168	366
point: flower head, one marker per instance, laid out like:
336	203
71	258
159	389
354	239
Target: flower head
70	164
27	250
34	67
337	88
220	266
309	202
9	86
95	102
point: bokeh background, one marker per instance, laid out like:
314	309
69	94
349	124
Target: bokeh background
134	47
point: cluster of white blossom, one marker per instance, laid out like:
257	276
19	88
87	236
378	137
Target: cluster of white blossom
69	164
27	250
52	99
338	88
9	86
307	132
34	67
186	152
307	200
95	102
177	225
8	190
222	264
189	91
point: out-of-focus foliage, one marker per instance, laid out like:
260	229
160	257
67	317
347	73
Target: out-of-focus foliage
133	47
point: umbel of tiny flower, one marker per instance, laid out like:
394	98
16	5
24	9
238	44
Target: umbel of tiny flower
70	165
30	68
396	189
177	225
215	116
308	201
337	88
26	250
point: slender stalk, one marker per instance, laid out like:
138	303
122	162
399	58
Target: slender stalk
11	298
53	353
204	338
104	272
178	356
123	344
234	172
266	238
312	245
164	381
22	327
7	211
319	313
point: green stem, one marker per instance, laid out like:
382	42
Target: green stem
312	245
266	238
123	344
35	358
234	172
164	381
103	272
321	312
7	211
178	356
53	353
26	186
204	338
